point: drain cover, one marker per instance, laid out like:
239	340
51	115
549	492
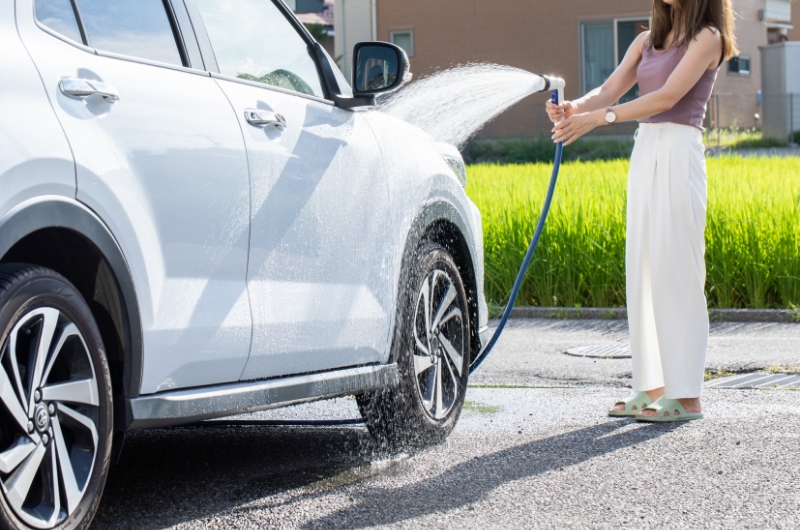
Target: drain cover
601	351
757	380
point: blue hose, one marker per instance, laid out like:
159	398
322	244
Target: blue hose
526	262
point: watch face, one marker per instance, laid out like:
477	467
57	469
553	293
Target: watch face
611	117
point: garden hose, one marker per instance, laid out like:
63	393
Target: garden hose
555	98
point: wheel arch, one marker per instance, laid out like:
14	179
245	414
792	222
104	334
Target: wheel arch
66	236
440	222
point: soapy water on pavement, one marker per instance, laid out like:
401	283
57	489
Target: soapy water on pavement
454	105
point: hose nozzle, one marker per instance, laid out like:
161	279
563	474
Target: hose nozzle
556	85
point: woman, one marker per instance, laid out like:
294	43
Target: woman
675	64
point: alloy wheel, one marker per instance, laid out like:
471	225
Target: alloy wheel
49	419
439	344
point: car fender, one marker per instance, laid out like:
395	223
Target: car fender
60	212
424	190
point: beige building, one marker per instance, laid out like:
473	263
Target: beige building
356	21
579	40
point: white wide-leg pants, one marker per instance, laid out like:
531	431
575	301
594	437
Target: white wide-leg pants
664	259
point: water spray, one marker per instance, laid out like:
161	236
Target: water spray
556	86
472	110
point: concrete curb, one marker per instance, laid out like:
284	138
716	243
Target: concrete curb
620	313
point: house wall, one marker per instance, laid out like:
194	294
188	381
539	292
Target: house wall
544	37
737	95
794	33
538	36
781	82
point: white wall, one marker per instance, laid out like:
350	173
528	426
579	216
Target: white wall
354	23
780	85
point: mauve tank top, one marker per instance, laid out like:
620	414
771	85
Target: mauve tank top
655	68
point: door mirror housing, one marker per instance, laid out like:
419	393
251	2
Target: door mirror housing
380	68
336	85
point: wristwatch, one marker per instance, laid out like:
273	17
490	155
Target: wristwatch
611	116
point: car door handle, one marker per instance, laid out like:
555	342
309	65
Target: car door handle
83	88
264	118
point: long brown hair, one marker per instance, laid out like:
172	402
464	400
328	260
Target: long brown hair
690	17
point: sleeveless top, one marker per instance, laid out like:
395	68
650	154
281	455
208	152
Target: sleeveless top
655	68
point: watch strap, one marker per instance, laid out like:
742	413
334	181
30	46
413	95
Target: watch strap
611	110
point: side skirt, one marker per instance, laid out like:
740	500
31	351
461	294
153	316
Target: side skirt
188	406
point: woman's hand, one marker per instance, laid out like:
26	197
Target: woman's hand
577	125
556	113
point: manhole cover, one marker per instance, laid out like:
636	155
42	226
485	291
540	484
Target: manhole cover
764	380
601	351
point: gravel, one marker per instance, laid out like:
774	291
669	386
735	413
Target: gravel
519	457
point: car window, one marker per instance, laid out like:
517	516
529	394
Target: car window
253	40
139	28
59	16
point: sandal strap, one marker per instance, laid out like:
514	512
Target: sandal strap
634	399
664	404
654	407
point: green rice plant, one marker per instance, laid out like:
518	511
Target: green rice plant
540	149
752	234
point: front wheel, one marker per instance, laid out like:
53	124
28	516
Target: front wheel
432	351
55	390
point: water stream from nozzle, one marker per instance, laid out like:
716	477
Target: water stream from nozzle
453	105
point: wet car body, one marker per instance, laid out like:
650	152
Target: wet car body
241	239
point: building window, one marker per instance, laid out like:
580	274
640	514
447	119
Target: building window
404	39
603	46
739	65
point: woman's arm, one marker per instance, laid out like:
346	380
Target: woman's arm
702	54
621	80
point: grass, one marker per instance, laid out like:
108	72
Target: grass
526	150
481	408
752	234
783	369
716	374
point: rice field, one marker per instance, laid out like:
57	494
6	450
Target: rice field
752	233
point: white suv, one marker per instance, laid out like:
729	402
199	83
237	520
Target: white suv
198	218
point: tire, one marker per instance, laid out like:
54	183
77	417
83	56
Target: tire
433	367
55	404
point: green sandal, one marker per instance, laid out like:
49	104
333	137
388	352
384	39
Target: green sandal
640	400
665	406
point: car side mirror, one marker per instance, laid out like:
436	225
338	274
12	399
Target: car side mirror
380	68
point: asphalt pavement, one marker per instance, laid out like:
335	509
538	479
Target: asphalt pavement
522	456
529	351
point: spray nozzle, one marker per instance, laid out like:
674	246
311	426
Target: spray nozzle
556	86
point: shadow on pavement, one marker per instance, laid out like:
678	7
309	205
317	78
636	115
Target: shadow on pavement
471	481
170	476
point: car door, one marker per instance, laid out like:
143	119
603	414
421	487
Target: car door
160	158
318	260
